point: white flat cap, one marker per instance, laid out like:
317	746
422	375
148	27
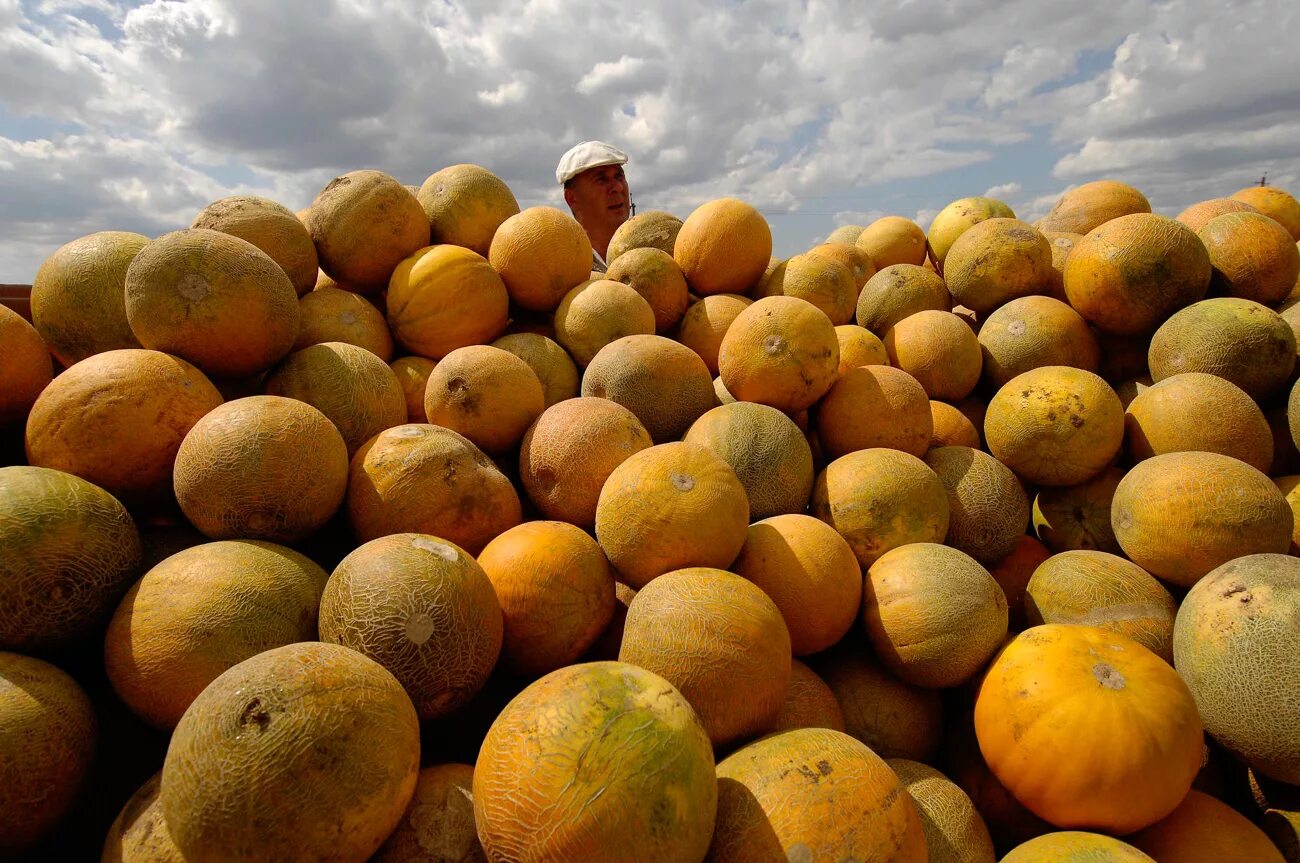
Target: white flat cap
588	154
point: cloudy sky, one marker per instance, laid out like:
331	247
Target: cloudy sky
134	116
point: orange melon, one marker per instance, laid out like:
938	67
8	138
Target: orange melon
193	293
1013	572
261	467
202	611
706	321
821	280
423	609
892	240
1075	846
308	750
628	775
48	737
271	227
1199	213
723	247
671	506
438	826
1275	203
465	204
708	632
987	506
1197	412
875	406
334	315
765	448
139	834
569	452
445	297
813	794
1063	244
1288	485
1032	332
487	394
1132	273
596	313
879	499
364	223
898	291
552	365
78	295
653	229
859	347
809	702
951	427
1201	830
540	254
654	275
860	265
1083	208
413	376
419	478
956	218
1253	257
1077	517
996	261
556	591
954	830
26	369
70	550
939	350
779	351
665	384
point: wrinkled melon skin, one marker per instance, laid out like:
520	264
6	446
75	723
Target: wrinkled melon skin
600	761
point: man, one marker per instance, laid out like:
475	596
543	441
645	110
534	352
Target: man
595	189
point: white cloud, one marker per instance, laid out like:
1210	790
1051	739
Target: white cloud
1002	190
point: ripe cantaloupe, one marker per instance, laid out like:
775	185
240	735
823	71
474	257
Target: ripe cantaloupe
711	633
1198	214
1275	203
765	448
860	265
202	611
556	592
987	507
261	467
1096	588
569	452
333	315
1032	332
879	499
139	834
116	419
1075	846
487	394
438	826
859	347
809	702
1197	412
654	275
352	387
875	406
363	224
934	616
596	313
445	297
1077	517
996	261
413	376
306	751
465	204
706	321
271	227
541	253
1180	515
665	384
1203	829
897	292
1253	257
212	299
954	830
653	229
813	794
951	427
78	295
811	574
671	506
1055	425
1132	273
1235	643
627	777
954	220
1236	339
422	608
1083	208
892	240
939	350
70	549
723	247
419	478
779	351
821	280
550	362
48	737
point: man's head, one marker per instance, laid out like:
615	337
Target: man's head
595	187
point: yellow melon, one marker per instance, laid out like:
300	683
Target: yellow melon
1032	332
550	362
951	427
202	611
1203	829
723	247
26	369
438	826
1063	243
364	223
413	376
487	394
665	384
271	227
1253	257
48	737
1288	485
780	351
70	548
197	293
954	830
987	506
1075	846
995	261
892	240
1013	572
845	234
445	297
860	265
334	315
939	350
954	220
1085	207
821	280
898	291
653	229
139	834
465	204
1197	412
1077	517
1199	213
654	275
1275	203
309	750
809	702
78	295
596	313
540	254
875	406
859	347
706	321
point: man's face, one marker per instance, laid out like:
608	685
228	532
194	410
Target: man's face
599	194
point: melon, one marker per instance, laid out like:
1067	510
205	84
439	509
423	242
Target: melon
1085	207
445	297
1075	846
363	224
1197	412
723	247
1275	203
596	313
809	702
1253	257
956	218
465	204
139	834
875	406
987	507
954	830
438	826
487	394
271	227
939	350
654	275
780	351
554	368
1239	340
413	376
706	321
540	253
1205	830
665	384
821	280
1032	332
333	315
25	371
892	240
1077	517
995	261
654	229
897	292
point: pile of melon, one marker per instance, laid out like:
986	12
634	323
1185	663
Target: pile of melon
387	530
